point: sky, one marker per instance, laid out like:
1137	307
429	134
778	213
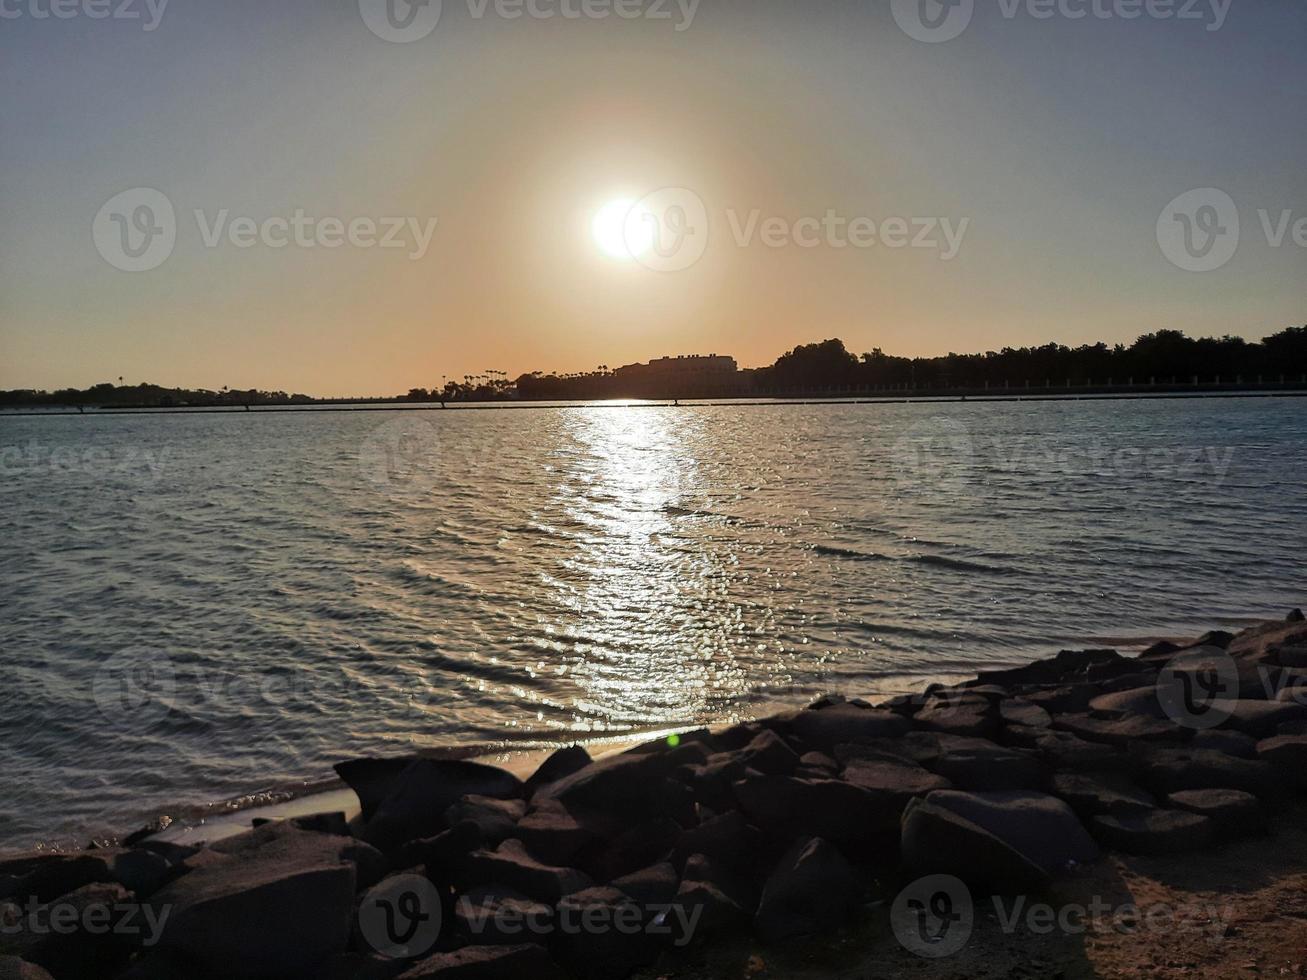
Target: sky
780	173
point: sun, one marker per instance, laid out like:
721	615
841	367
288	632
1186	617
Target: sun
622	229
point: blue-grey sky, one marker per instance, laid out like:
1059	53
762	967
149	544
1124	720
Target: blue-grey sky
1029	159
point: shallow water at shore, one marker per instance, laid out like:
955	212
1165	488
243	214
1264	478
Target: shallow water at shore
203	607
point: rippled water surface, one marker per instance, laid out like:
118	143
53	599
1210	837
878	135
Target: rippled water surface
201	606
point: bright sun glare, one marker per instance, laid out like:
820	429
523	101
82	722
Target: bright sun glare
623	229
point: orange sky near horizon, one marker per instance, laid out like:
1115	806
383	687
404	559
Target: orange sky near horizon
1049	149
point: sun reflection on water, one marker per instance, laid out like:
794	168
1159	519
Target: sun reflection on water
654	614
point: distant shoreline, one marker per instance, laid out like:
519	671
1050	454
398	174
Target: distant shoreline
981	396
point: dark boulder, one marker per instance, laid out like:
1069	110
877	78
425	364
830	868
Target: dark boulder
825	728
1020	711
1165	771
556	835
1154	831
1090	794
1124	730
372	779
511	866
496	819
636	847
73	949
654	885
812	890
725	837
785	808
276	906
45	875
444	855
602	935
1261	719
958	714
1233	813
712	900
936	840
893	782
496	916
1041	827
561	764
626	785
419	796
981	765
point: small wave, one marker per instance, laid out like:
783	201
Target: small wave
937	561
831	551
960	565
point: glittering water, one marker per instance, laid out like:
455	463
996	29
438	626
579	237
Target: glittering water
200	606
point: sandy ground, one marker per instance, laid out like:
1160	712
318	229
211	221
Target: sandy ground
1236	911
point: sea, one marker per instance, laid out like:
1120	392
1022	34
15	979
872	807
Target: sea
207	610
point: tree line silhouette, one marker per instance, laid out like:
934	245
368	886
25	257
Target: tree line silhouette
1164	359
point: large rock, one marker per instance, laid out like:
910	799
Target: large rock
556	835
654	885
1135	701
602	935
1233	813
284	840
825	728
1068	667
45	876
487	963
981	765
1041	827
496	916
1064	751
73	950
711	900
627	784
496	819
511	866
812	890
1169	770
785	808
1154	831
561	764
1261	719
372	779
936	840
725	837
1020	711
958	714
419	796
1125	730
894	782
270	908
1090	794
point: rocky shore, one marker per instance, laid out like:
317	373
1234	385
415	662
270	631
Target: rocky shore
795	829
